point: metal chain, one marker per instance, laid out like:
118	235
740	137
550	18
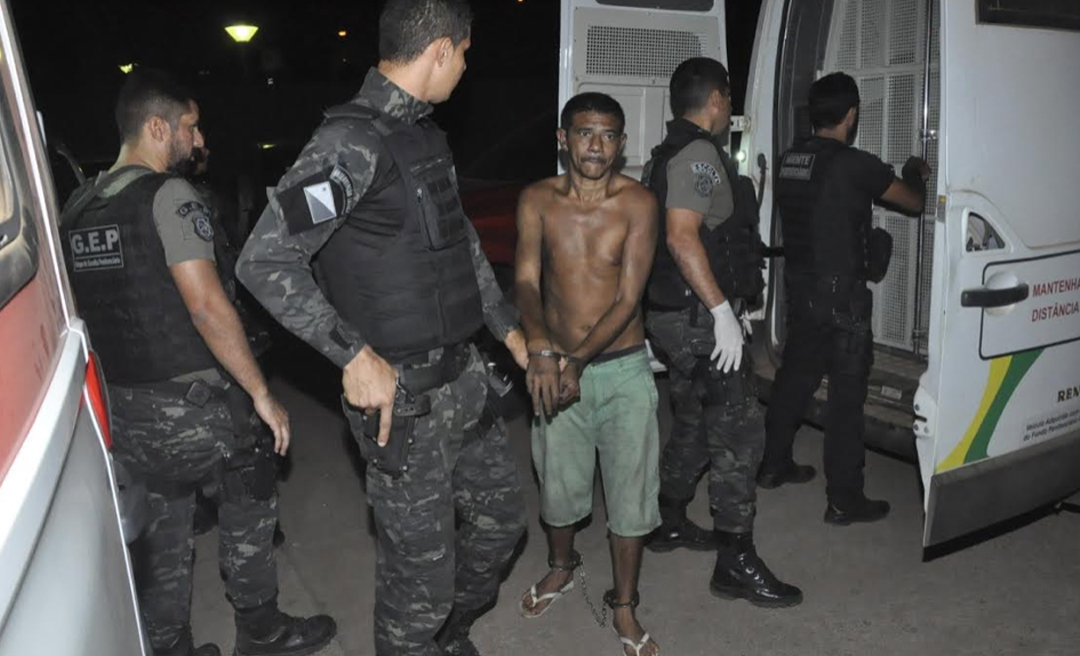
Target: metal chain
600	617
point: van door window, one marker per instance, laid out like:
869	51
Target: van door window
672	5
18	237
1054	14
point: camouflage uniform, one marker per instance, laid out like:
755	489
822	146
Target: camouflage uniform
717	420
170	444
426	569
176	447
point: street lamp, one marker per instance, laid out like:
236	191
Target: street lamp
126	68
242	33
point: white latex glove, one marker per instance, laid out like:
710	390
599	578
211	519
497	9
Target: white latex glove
728	332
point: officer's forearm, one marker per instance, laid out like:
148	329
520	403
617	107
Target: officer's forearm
219	325
693	263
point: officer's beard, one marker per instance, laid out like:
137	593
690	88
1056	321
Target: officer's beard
854	131
178	162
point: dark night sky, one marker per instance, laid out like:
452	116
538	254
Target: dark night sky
506	103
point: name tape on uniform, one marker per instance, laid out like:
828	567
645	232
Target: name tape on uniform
797	166
96	249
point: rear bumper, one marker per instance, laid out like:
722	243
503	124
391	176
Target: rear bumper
986	492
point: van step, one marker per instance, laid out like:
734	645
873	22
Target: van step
889	400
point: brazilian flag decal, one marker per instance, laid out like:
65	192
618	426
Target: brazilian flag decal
1005	376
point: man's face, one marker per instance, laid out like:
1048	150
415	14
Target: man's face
184	139
449	72
593	142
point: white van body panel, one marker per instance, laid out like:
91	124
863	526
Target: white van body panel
999	406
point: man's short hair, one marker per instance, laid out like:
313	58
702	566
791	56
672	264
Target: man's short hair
408	27
694	81
831	98
146	93
591	101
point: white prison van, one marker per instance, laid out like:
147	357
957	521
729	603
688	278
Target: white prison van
977	325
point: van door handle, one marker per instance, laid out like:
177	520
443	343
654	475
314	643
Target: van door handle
992	298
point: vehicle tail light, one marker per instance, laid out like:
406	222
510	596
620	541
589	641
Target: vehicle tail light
99	405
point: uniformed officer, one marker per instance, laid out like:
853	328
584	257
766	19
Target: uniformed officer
186	394
403	287
708	264
825	190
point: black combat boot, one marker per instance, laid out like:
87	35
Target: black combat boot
741	574
266	631
790	472
454	639
184	646
860	509
676	530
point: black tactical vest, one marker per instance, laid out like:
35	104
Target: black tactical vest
138	322
734	247
400	267
825	236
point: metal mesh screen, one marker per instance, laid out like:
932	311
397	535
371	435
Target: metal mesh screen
872	115
902	134
872	34
881	43
905	32
892	298
847	51
637	52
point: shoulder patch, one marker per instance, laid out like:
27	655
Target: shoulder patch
199	215
705	178
316	199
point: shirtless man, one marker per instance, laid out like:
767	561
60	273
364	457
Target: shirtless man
588	237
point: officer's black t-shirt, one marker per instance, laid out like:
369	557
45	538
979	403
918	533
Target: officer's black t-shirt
840	209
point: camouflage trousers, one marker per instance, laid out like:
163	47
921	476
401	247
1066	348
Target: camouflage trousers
175	447
717	426
447	527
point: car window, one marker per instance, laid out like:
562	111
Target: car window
18	237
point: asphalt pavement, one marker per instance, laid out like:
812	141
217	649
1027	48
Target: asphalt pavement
869	589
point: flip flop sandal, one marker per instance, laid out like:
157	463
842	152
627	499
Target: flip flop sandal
609	599
551	597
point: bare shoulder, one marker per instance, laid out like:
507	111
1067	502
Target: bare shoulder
541	192
632	193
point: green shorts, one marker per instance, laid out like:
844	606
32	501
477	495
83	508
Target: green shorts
615	417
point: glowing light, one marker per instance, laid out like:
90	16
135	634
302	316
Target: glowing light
343	33
741	155
242	33
267	146
126	68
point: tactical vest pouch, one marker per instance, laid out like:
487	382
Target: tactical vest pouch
879	254
444	219
738	252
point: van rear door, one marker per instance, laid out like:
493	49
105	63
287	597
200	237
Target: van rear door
998	410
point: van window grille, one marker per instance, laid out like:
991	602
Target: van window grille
881	43
638	52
